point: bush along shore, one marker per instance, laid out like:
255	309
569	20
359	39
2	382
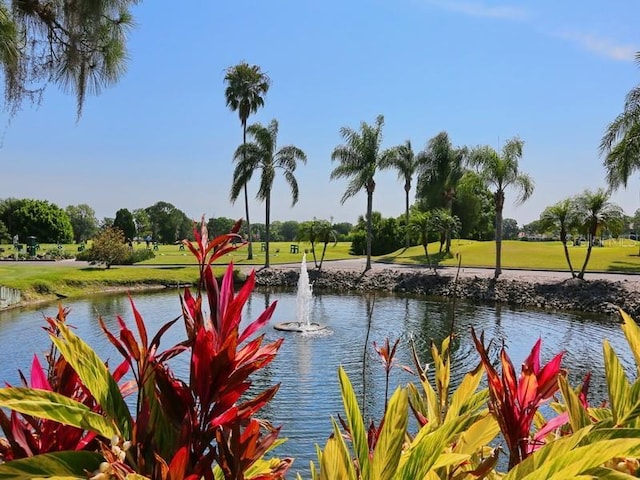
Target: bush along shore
593	296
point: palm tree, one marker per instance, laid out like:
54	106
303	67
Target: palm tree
501	172
621	142
261	154
325	234
595	213
246	87
404	161
441	167
561	216
420	224
445	223
359	159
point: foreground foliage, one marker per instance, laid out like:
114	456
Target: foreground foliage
71	417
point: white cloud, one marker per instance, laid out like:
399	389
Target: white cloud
600	46
479	9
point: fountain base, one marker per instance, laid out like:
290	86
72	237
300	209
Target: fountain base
299	327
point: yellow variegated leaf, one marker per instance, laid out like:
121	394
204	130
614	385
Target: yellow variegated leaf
336	460
356	424
95	376
578	417
450	459
617	383
59	464
56	407
389	446
464	392
479	434
632	332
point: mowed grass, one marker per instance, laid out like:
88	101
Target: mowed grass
173	266
614	256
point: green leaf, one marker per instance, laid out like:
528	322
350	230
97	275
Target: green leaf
632	332
56	407
464	393
578	417
336	460
96	377
389	446
478	434
59	464
617	383
356	425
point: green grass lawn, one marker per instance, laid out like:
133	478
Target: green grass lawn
173	266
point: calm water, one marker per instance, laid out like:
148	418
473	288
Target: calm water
307	366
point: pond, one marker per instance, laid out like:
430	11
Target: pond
306	366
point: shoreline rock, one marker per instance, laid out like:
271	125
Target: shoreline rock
592	296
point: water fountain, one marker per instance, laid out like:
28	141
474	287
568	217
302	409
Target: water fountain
303	321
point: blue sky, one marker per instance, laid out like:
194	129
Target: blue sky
553	73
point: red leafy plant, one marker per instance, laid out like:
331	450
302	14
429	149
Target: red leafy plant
201	427
513	400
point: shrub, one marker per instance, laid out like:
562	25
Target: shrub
74	418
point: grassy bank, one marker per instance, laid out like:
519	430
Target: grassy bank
173	266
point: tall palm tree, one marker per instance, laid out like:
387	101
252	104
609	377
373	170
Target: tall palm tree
261	154
404	161
359	158
441	167
246	87
621	142
595	212
561	216
501	171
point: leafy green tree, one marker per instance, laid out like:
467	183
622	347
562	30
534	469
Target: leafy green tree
441	167
168	223
561	217
594	212
385	232
143	223
83	221
44	220
80	46
8	207
501	171
106	222
343	229
289	230
510	229
109	247
124	221
621	142
534	228
261	154
474	206
359	158
246	87
217	226
403	160
5	237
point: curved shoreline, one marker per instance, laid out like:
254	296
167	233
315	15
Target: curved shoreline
600	293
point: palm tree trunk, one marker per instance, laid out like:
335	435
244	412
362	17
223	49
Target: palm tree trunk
563	238
590	237
406	214
267	229
499	197
324	250
369	226
449	208
246	198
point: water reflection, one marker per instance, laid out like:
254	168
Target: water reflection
306	366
